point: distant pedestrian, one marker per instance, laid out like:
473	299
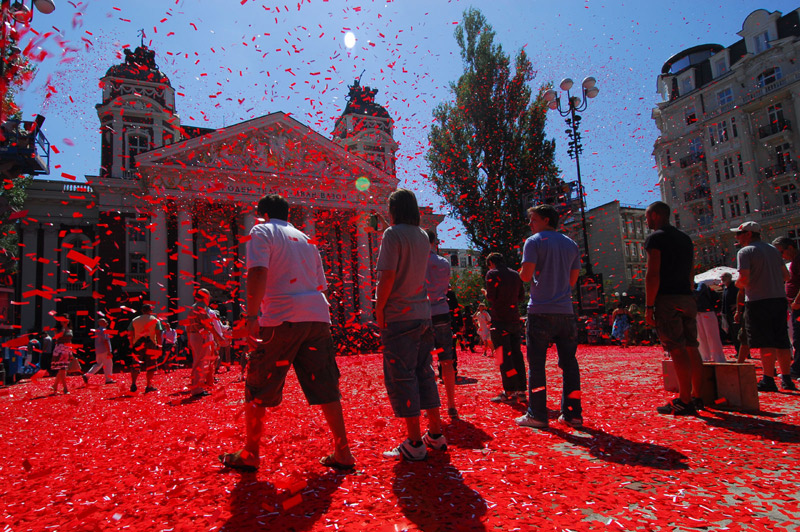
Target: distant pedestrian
483	322
104	357
728	304
437	282
789	252
551	263
144	334
169	337
63	354
404	317
762	275
671	307
621	325
203	331
504	291
708	339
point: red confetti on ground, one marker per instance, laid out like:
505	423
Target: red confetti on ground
102	458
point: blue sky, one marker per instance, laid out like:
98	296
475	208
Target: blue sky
232	60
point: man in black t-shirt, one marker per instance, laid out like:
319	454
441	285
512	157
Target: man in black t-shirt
671	307
504	290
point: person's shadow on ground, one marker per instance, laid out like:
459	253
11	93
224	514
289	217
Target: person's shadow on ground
763	428
465	435
260	505
619	450
432	495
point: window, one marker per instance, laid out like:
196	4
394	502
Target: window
746	203
137	267
775	113
666	160
789	194
686	85
794	234
783	155
691	115
136	231
722	131
463	262
733	127
696	147
720	66
769	76
716	171
733	205
741	164
725	96
137	143
678	221
454	261
673	189
712	135
761	42
722	208
727	166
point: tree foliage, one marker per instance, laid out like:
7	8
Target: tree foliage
467	285
488	154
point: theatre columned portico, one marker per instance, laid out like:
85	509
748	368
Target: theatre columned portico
158	223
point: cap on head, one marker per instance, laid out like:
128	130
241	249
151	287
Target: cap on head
751	227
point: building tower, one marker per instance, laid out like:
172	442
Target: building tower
137	113
366	129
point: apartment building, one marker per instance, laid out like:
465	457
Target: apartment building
729	120
616	244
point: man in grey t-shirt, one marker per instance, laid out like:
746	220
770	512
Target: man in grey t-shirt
404	316
761	276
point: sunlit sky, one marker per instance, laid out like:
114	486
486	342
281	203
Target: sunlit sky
233	60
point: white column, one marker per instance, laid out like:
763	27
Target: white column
248	221
158	259
310	228
186	263
27	271
364	281
50	272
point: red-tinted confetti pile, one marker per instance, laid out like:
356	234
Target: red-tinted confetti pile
103	459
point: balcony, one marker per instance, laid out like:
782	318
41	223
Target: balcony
774	128
697	193
23	148
692	159
780	169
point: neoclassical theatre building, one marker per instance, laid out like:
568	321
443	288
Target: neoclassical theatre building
173	205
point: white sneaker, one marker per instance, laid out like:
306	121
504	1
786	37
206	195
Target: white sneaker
407	451
574	422
439	444
529	421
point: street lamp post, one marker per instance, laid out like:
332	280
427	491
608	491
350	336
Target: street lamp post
575	105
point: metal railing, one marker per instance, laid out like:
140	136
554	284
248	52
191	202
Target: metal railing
689	160
774	128
697	193
780	169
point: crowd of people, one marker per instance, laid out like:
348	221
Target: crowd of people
287	324
757	304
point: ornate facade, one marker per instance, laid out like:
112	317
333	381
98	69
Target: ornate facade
173	205
729	119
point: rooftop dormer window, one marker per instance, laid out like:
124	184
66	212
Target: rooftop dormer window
761	42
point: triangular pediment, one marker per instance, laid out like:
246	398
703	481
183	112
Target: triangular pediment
272	145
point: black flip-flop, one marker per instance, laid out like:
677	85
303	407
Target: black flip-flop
330	461
234	461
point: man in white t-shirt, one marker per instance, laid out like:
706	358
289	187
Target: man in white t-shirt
288	323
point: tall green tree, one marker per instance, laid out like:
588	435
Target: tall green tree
488	153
